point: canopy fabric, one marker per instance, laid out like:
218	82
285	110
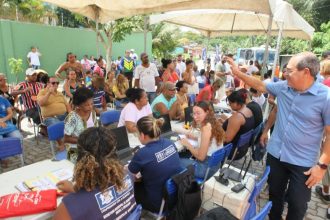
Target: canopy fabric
217	22
107	10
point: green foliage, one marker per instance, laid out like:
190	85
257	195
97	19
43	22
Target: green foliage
125	26
321	40
16	66
164	40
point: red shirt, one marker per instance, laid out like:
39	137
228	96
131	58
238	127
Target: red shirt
171	77
29	98
207	88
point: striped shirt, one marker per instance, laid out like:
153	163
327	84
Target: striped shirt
27	96
98	97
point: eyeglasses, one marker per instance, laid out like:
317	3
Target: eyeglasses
53	83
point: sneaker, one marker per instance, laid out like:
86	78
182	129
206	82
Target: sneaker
328	213
324	198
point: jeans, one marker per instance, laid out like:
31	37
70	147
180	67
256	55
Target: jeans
141	198
282	176
200	167
34	114
53	120
35	67
14	133
151	96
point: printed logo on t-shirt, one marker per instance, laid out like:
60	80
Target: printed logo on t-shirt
115	204
166	153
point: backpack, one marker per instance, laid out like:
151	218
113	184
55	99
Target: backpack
219	213
189	198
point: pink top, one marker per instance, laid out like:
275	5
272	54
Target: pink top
207	88
133	114
99	71
327	82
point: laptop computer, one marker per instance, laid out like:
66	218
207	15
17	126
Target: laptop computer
124	151
166	129
188	115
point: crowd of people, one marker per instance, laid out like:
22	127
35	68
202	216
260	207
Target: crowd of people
144	92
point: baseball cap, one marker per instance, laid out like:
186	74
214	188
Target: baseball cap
169	86
132	50
30	71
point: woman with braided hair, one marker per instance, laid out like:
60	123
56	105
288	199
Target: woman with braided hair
100	184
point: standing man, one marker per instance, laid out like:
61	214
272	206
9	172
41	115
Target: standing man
53	105
33	58
127	67
293	150
147	77
180	66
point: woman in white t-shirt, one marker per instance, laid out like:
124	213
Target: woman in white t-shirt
137	108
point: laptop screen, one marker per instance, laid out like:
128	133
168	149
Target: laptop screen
167	124
188	114
120	134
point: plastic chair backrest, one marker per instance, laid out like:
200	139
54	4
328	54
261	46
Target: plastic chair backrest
219	156
256	133
56	131
264	212
244	139
136	214
109	117
255	192
10	147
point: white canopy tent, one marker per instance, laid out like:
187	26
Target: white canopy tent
219	22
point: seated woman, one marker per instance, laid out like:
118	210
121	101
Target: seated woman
137	108
181	95
119	89
210	139
82	117
7	128
169	73
240	122
99	181
156	162
208	93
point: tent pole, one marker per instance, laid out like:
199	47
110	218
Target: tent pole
278	44
207	47
265	58
97	38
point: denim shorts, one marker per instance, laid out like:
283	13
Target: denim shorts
53	120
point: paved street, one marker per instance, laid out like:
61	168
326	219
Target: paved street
34	152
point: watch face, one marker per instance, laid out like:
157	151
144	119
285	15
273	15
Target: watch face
323	166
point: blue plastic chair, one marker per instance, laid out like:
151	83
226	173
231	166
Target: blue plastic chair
10	147
214	161
136	214
244	141
264	212
110	117
256	133
251	212
55	132
201	85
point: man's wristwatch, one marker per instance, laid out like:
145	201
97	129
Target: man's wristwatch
322	165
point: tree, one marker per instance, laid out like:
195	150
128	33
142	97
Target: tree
16	66
115	31
164	39
321	40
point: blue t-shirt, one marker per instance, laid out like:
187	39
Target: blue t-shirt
4	105
161	98
157	162
109	204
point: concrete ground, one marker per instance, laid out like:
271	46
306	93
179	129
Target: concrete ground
34	152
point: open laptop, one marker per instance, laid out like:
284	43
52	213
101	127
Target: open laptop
124	151
188	115
166	129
